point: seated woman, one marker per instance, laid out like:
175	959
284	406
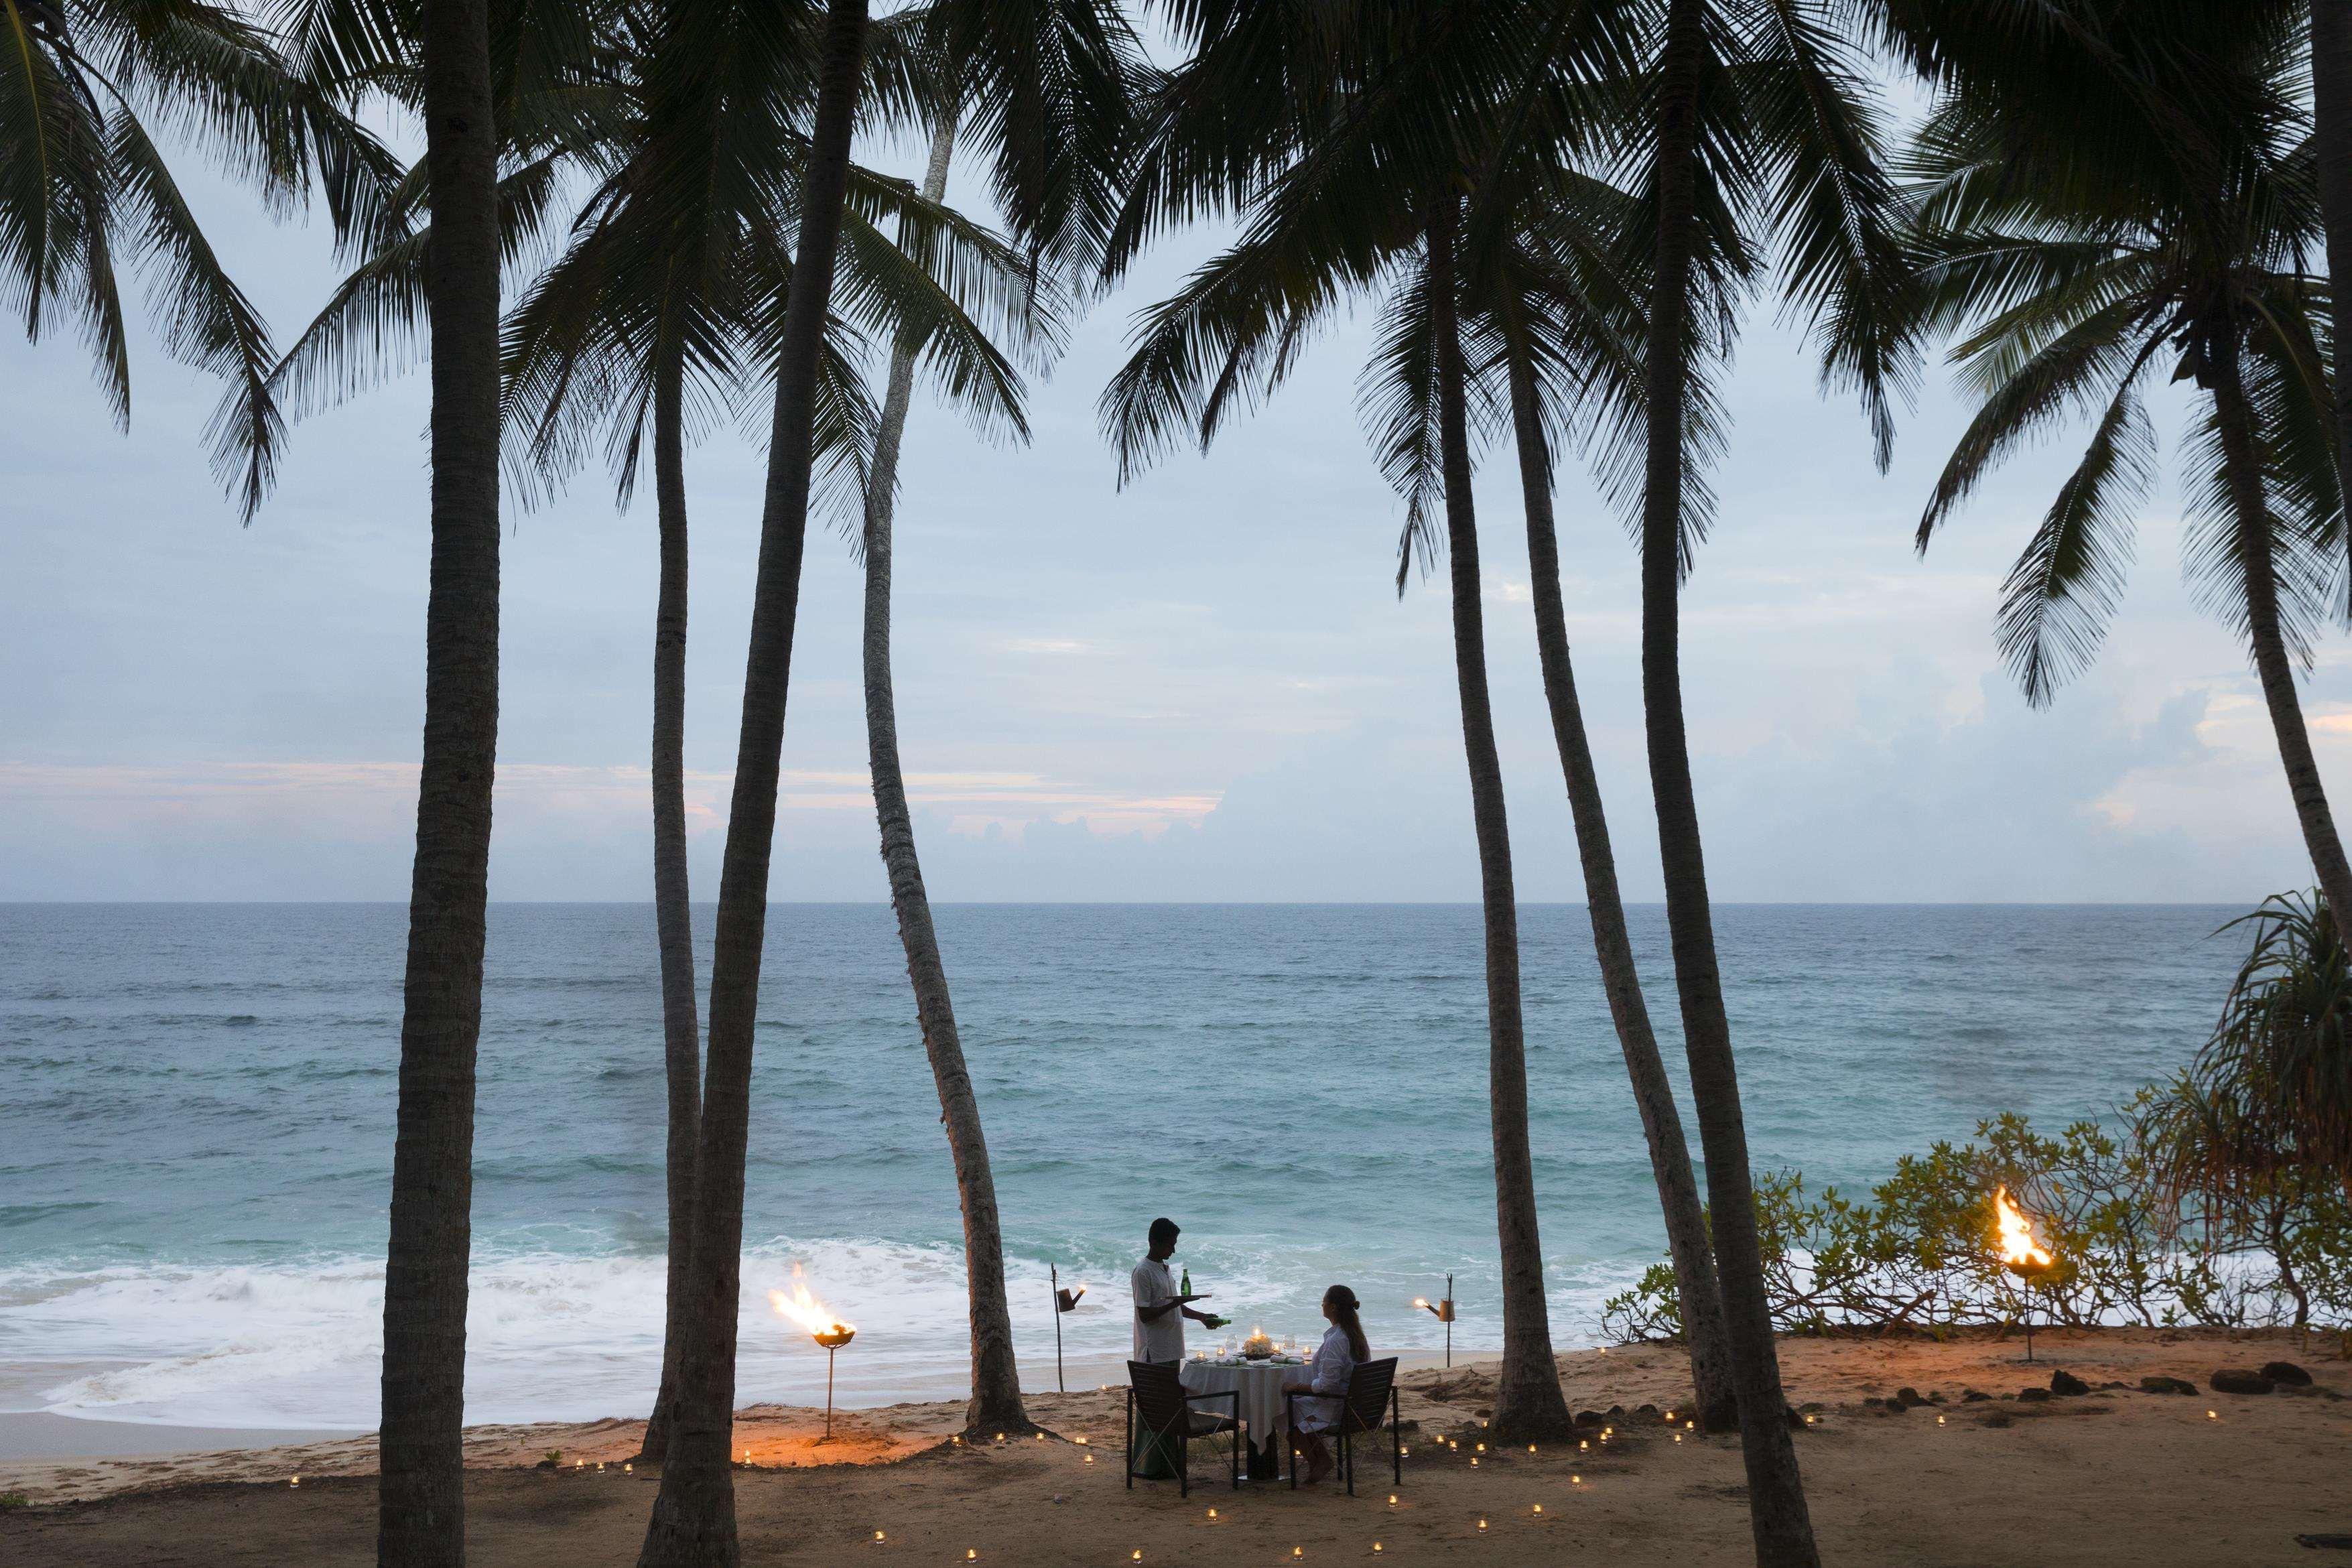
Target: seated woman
1326	1376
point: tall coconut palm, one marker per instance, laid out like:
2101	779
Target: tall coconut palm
1345	157
995	1404
1552	270
83	182
606	338
1023	64
1753	123
1088	76
2079	261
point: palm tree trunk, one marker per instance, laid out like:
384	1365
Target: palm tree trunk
1528	1403
995	1379
1653	1095
693	1523
673	909
421	1498
2331	103
1777	1515
2243	474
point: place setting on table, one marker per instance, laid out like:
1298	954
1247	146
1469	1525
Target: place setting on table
1255	1368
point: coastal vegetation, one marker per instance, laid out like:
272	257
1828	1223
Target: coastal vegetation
633	217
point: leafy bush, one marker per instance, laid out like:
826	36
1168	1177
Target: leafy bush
1920	1254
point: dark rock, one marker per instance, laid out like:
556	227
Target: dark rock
1874	1400
1589	1418
2330	1543
2239	1380
2287	1372
2162	1384
1973	1397
2066	1383
1936	1396
1616	1413
2033	1395
1998	1418
1649	1410
1813	1407
1908	1397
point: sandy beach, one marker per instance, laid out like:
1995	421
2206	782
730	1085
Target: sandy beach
2119	1475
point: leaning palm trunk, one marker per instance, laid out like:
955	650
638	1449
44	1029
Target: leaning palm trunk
693	1523
2331	103
2250	509
1528	1402
421	1521
1654	1096
673	910
1776	1494
995	1379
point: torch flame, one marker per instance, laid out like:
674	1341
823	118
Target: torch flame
802	1306
2018	1247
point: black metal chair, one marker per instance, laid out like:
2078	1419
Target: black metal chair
1159	1396
1371	1398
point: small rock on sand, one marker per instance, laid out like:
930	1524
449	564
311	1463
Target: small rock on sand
2066	1383
2287	1372
2162	1384
2239	1380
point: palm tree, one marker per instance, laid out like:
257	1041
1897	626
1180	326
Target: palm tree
82	183
421	1508
2079	257
1550	274
1345	161
995	1404
645	291
1751	134
2331	101
1033	74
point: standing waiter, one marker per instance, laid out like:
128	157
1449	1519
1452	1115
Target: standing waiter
1160	1307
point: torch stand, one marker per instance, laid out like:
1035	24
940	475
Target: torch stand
2028	1275
833	1342
1064	1301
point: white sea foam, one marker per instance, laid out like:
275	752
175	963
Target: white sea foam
548	1337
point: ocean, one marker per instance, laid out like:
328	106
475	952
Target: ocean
196	1127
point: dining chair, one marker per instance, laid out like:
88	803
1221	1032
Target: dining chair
1157	1397
1372	1398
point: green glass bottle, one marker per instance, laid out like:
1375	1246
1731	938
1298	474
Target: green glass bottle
1186	1289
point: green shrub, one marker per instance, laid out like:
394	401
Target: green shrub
1919	1252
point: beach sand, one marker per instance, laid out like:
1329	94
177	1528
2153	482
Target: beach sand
2118	1476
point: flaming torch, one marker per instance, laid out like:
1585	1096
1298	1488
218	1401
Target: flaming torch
2020	1254
1442	1310
802	1307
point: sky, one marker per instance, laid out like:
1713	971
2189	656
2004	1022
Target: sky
1203	686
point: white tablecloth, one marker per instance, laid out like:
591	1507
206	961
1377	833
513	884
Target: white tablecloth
1260	1387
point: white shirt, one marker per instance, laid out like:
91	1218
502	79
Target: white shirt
1328	1370
1163	1338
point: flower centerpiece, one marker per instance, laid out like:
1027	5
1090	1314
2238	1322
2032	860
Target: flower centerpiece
1257	1347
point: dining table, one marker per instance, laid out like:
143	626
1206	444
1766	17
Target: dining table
1259	1385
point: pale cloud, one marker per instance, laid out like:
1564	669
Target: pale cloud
1200	686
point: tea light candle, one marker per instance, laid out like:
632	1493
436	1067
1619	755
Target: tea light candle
1482	1527
1393	1500
1538	1507
295	1482
1575	1481
878	1536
